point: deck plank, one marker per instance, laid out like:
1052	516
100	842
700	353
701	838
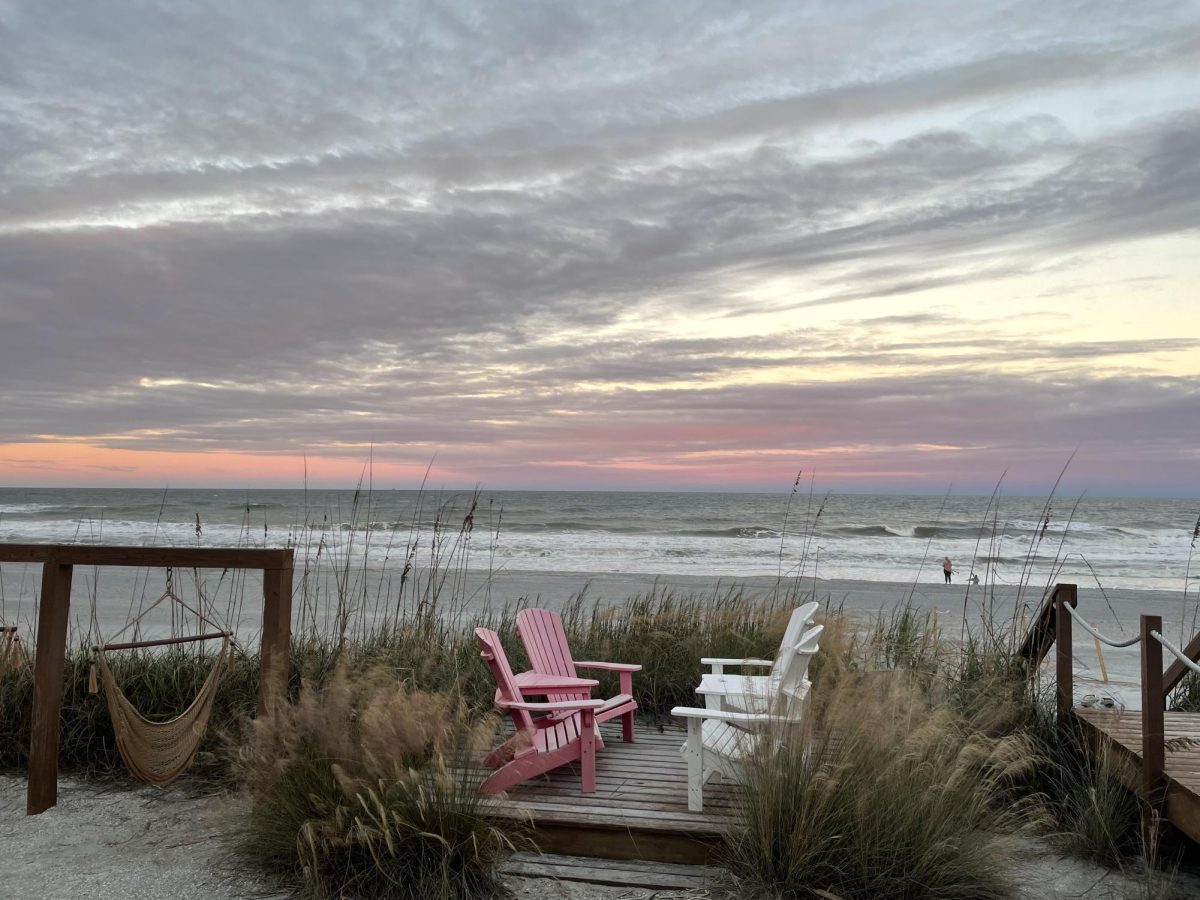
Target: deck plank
638	811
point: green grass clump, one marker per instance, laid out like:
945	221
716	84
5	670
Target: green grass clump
361	788
885	799
1186	696
1092	813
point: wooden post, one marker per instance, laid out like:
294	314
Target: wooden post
1153	751
276	637
1064	675
48	670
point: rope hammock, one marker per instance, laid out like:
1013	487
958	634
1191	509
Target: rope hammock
159	752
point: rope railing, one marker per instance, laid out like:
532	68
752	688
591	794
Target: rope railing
1179	654
1096	634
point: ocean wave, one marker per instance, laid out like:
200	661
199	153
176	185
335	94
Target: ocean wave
570	525
866	531
31	509
952	531
738	531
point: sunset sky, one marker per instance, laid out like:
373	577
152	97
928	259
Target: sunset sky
602	245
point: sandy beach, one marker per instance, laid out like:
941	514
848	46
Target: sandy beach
122	841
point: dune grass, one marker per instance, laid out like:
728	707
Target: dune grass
359	790
883	797
667	633
919	760
868	810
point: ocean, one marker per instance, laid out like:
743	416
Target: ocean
863	552
1116	542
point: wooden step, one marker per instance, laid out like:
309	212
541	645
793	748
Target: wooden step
650	876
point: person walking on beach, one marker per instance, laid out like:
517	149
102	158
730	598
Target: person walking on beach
947	568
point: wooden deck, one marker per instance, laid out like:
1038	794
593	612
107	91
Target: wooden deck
1121	730
639	809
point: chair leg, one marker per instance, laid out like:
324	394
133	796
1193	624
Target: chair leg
695	763
587	751
627	727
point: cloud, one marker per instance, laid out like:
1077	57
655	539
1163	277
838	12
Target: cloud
498	233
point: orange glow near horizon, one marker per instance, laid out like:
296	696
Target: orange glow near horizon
869	468
55	464
72	464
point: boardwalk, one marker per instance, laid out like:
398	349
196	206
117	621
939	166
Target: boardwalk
639	809
1121	731
1160	750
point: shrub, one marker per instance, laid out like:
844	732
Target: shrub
365	788
883	798
1092	813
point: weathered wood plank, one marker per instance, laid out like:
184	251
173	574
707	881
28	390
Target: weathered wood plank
182	557
588	862
644	875
602	843
647	819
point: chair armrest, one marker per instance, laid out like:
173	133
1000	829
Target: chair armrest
539	683
609	666
692	712
559	706
718	663
725	686
715	661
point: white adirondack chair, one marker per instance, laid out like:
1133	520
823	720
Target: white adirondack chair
719	741
750	693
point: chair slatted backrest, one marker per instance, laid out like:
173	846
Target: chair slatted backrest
791	687
545	642
506	683
791	637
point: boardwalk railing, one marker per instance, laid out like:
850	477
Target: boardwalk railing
1053	626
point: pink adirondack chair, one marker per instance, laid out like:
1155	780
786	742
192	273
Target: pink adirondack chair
545	643
568	734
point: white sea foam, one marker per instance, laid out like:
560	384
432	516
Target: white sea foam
1123	543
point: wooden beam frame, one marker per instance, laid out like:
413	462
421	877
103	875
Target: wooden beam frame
58	562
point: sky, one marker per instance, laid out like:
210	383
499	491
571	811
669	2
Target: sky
661	245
